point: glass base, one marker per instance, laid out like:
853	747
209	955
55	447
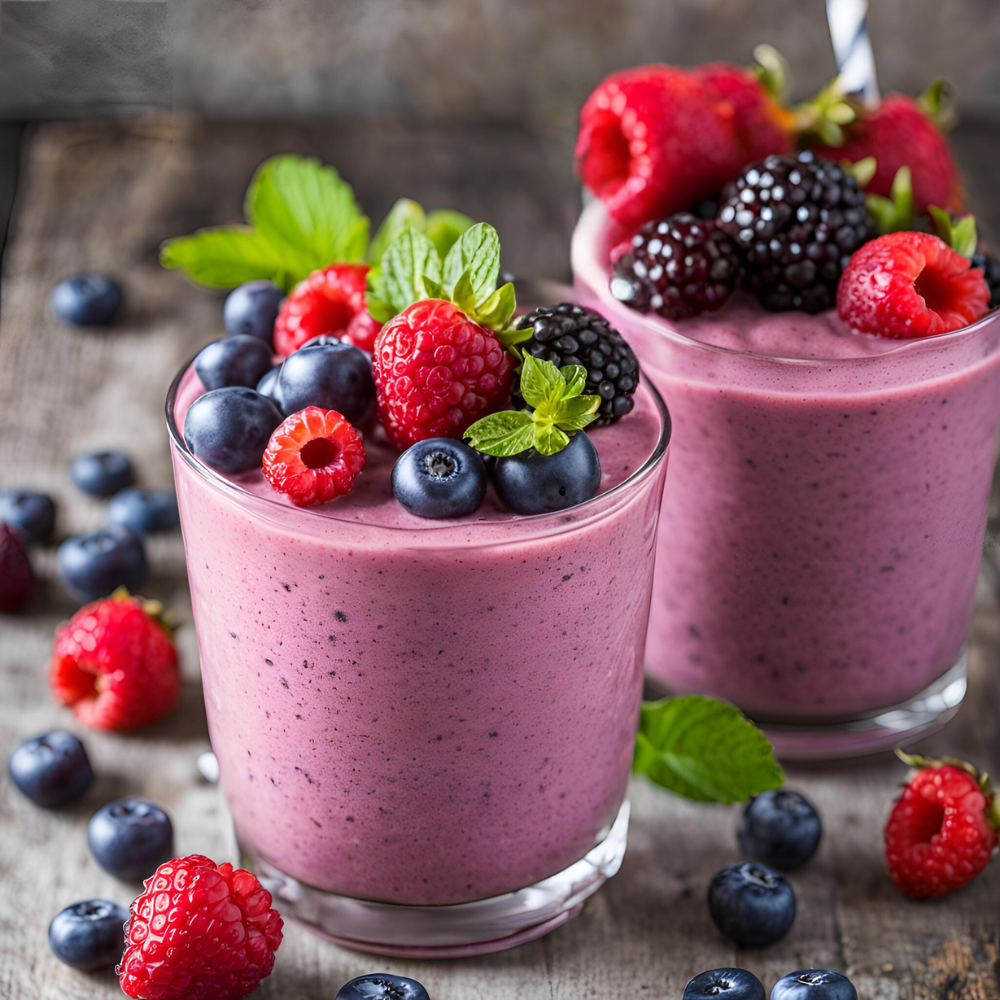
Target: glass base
894	726
451	931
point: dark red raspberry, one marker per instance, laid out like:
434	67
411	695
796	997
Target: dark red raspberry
322	304
314	456
114	662
362	331
437	372
199	931
17	580
677	267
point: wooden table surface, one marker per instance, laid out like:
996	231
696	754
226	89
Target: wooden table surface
102	197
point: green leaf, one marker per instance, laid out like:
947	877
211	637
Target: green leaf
575	377
496	311
226	257
959	234
549	439
434	289
577	412
893	214
771	69
541	382
405	214
862	171
514	335
306	209
478	252
464	296
704	750
508	432
445	227
410	257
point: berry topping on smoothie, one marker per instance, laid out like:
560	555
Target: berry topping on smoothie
329	374
439	477
228	429
910	285
236	360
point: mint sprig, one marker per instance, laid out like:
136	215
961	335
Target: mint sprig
443	228
412	269
959	234
300	215
704	750
559	409
895	213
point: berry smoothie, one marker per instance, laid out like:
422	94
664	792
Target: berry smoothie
419	711
821	531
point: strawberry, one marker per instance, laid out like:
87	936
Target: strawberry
910	285
314	456
115	663
325	303
942	829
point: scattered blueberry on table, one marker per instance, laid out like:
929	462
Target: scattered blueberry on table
236	360
751	904
144	510
101	473
725	984
531	483
382	986
130	838
332	376
228	429
439	477
89	935
87	299
814	984
780	828
96	563
33	513
17	578
252	308
52	770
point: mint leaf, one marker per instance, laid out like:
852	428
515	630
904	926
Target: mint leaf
410	257
478	252
541	382
895	213
305	208
577	412
959	234
508	432
445	227
704	750
549	438
576	379
227	256
405	214
496	310
464	296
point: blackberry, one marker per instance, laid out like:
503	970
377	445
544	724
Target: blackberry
568	334
796	221
991	271
677	267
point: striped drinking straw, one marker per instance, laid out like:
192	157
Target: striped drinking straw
853	48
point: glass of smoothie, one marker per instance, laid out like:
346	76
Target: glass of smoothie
425	728
824	514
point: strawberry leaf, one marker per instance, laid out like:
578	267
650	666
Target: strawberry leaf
227	256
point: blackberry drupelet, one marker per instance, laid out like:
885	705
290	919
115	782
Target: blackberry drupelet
568	334
796	221
677	267
991	271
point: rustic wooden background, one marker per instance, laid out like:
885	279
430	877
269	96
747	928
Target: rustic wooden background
103	196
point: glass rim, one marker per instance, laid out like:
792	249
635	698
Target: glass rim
580	513
660	326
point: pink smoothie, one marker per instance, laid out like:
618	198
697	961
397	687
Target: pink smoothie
421	711
826	503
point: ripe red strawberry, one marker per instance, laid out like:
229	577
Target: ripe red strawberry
362	331
199	931
655	140
115	664
899	133
313	456
17	580
437	372
942	829
910	285
324	303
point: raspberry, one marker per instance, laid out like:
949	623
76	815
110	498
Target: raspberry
677	267
115	664
314	456
199	931
437	372
324	303
362	331
910	285
17	579
796	221
941	831
654	140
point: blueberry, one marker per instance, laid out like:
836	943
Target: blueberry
101	473
728	984
130	838
86	300
751	904
267	384
52	770
814	984
33	513
237	360
251	309
334	376
439	478
90	935
228	429
779	828
95	564
144	510
382	985
531	483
